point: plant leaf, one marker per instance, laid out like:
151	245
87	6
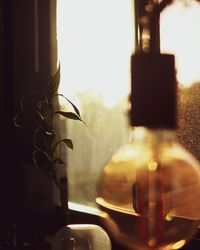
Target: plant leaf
69	115
54	82
34	156
38	130
74	107
59	161
40	115
48	138
18	119
68	143
47	110
36	153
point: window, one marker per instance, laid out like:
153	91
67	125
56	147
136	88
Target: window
95	40
180	35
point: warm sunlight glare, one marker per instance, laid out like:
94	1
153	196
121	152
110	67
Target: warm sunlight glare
178	244
85	209
180	35
95	40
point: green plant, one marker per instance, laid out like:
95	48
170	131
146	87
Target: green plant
38	107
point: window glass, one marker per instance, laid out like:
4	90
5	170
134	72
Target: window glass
95	41
180	35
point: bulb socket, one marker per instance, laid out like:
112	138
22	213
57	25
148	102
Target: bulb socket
153	91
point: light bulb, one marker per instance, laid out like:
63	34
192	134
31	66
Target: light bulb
150	189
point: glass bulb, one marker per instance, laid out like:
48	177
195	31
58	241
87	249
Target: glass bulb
150	190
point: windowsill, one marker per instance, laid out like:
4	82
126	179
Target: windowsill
85	209
91	215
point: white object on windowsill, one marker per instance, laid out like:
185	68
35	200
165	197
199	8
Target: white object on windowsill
81	237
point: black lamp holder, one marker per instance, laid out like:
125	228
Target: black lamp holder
153	76
153	81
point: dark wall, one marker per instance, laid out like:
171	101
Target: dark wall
32	56
32	46
6	102
28	57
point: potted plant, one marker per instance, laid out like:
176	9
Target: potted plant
37	113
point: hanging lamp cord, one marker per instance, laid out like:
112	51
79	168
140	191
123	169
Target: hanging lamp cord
154	25
154	20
